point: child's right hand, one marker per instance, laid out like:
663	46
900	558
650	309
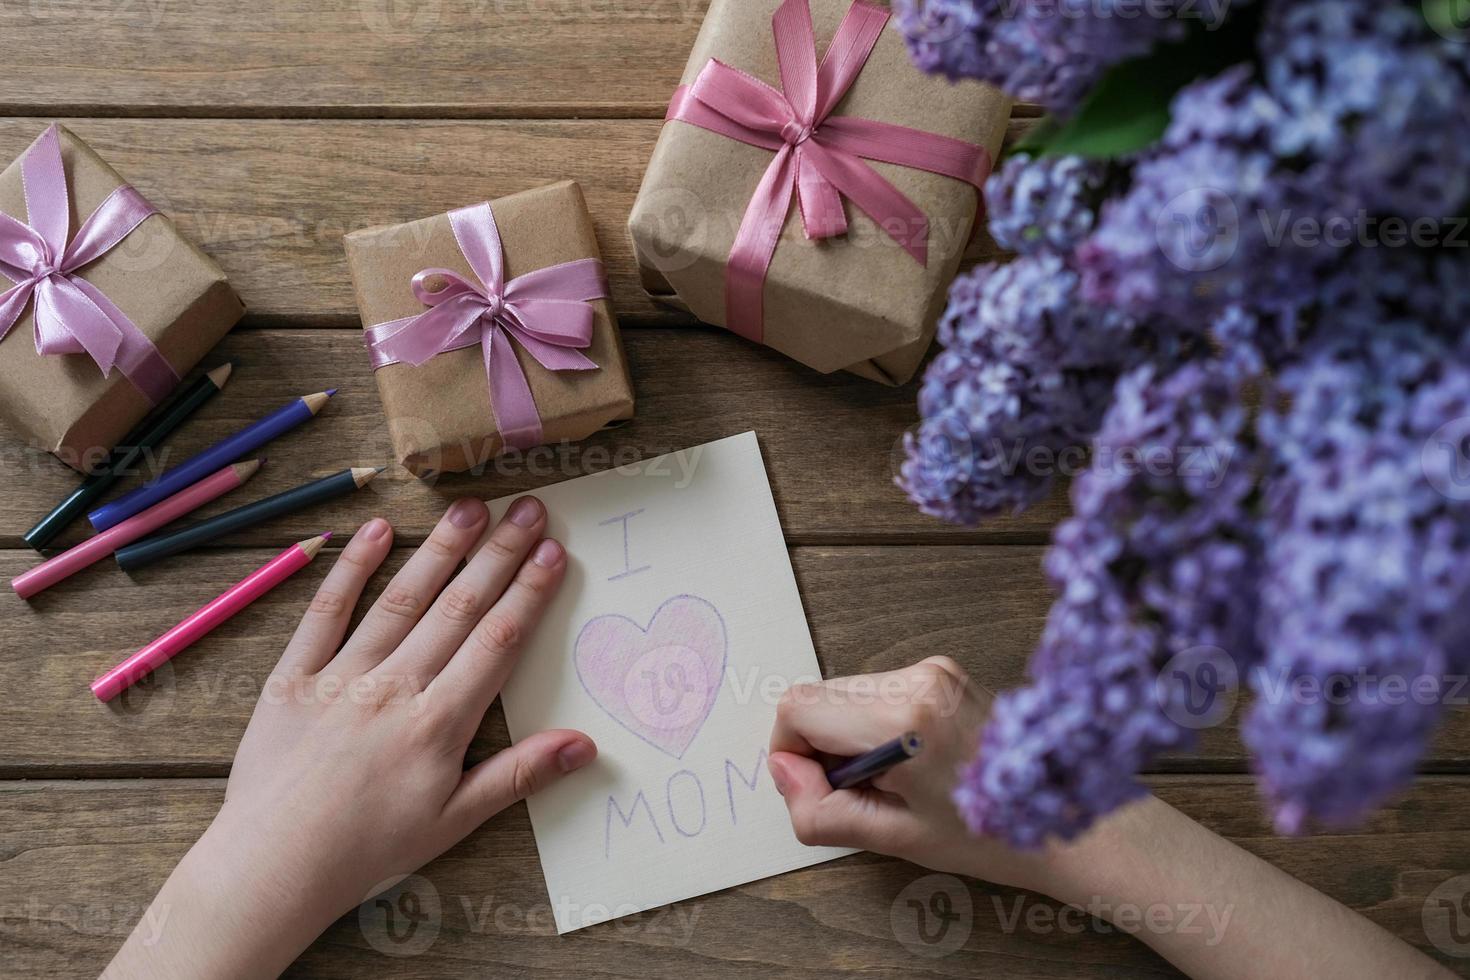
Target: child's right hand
907	812
1213	910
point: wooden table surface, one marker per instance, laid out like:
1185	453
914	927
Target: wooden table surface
267	130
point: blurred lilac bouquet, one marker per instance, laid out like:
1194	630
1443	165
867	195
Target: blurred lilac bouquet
1242	295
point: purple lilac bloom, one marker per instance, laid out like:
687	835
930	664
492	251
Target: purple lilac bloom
1164	517
1372	287
1378	287
1045	51
1195	234
1062	751
1324	545
1158	560
1048	204
1373	104
1358	128
1017	393
1366	575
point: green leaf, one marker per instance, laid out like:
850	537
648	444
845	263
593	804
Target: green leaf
1128	109
1449	19
1035	139
1126	112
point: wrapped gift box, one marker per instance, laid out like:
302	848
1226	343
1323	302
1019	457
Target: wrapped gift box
859	301
172	292
442	415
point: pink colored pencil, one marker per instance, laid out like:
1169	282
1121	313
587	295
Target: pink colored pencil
99	546
199	623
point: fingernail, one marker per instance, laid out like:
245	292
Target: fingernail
525	512
548	553
374	529
778	776
575	755
466	513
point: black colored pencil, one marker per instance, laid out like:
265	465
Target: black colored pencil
148	435
870	765
159	546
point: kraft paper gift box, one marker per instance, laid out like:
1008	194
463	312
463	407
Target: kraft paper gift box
442	414
174	295
858	302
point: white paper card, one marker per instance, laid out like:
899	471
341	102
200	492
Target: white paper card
677	629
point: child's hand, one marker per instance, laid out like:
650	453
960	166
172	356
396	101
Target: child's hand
352	769
906	812
1237	915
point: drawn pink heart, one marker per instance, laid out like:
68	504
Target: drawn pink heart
659	683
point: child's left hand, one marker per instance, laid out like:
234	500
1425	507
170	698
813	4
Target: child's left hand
351	772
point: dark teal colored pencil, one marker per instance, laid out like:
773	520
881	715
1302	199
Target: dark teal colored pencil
159	546
149	434
870	765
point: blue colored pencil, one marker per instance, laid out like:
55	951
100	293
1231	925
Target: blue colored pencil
221	454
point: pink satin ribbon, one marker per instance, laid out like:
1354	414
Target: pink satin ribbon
546	312
819	157
72	315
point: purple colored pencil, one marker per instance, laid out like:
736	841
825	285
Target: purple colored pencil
221	454
871	765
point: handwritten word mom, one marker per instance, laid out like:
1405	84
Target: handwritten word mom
682	808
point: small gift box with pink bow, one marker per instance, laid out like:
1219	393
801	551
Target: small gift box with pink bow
811	189
103	305
489	329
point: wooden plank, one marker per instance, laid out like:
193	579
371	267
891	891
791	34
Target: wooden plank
83	859
347	58
830	442
373	58
870	609
271	200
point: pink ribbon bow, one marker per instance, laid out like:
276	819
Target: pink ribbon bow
819	157
72	315
546	311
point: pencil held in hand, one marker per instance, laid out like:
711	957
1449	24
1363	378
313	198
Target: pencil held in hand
198	624
871	765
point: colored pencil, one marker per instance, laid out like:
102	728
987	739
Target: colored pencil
99	546
161	546
202	621
871	765
148	435
226	451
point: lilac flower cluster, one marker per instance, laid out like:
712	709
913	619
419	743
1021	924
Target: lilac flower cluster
1045	205
1191	235
1263	186
1157	560
1366	570
1046	51
1321	543
1372	105
1027	367
1023	381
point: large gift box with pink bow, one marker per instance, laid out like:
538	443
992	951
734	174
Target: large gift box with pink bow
103	305
811	190
490	329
